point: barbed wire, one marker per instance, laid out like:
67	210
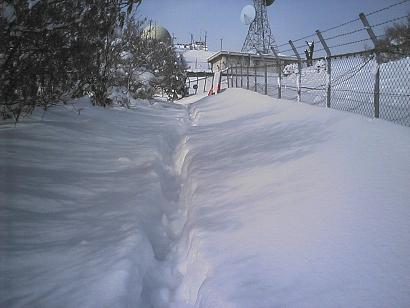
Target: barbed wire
390	21
341	25
303	38
298	47
304	46
344	34
285	51
363	29
387	8
346	44
298	40
347	23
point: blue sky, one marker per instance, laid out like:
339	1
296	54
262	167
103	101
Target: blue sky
289	19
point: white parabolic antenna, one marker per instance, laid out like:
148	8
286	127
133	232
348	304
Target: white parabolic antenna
248	14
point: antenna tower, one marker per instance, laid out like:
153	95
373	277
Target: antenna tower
259	38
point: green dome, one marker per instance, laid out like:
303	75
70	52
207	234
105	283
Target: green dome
157	33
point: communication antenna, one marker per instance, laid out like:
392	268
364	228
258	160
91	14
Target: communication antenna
259	37
248	14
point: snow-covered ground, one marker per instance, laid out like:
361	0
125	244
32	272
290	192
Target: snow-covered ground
236	200
293	206
352	86
87	206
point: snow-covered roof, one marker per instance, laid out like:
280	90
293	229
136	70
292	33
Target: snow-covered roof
219	54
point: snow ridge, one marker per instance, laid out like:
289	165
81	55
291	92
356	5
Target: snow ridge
238	200
96	196
187	249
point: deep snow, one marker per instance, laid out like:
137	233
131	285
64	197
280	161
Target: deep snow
87	205
294	206
352	86
237	200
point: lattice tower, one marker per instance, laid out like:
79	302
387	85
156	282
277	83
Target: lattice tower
259	37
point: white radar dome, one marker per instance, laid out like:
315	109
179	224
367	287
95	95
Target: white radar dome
157	33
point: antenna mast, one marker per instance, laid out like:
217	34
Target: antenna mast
259	37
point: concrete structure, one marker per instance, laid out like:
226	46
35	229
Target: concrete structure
224	59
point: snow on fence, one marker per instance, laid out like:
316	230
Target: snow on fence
351	87
357	82
374	83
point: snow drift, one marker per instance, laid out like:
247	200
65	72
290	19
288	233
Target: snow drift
293	206
86	204
237	200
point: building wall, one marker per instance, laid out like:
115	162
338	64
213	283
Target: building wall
224	61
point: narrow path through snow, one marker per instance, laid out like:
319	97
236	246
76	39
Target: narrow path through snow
236	200
89	206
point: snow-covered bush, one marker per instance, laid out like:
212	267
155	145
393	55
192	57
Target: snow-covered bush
53	50
320	65
150	65
396	41
290	69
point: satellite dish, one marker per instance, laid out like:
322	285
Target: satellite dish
269	2
248	14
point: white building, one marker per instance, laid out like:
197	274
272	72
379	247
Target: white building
224	59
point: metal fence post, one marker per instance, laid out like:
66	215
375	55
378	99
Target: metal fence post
206	79
189	85
227	76
329	67
247	73
221	75
280	80
212	82
266	78
232	77
256	78
266	71
299	79
373	37
247	77
236	76
279	67
241	76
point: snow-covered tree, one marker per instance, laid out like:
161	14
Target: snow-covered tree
396	41
53	50
151	64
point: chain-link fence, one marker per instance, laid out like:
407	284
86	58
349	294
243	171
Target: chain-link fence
356	82
373	82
